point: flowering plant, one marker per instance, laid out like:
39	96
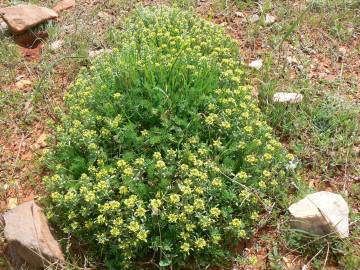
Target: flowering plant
162	153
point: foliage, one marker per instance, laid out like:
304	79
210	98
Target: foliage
162	155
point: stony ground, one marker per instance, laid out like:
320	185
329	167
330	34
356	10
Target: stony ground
309	47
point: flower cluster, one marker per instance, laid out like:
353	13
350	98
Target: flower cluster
162	148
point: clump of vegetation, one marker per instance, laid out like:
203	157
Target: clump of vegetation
162	155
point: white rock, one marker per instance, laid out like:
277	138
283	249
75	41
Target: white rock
257	64
254	18
56	45
269	19
283	97
321	213
239	14
3	26
292	60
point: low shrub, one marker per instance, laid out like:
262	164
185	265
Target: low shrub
161	155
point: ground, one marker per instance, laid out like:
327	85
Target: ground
313	48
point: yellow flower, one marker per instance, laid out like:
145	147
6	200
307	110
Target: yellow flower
131	201
172	218
128	171
139	161
217	143
262	184
236	223
123	190
189	208
157	155
140	212
144	132
115	231
242	233
199	204
142	235
251	159
184	167
254	216
248	129
121	163
200	243
215	212
266	173
118	221
185	247
267	156
160	165
199	190
186	190
245	115
134	226
241	145
184	235
216	182
290	156
101	219
242	175
155	203
174	198
225	124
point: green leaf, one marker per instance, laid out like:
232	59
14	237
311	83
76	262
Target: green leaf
165	262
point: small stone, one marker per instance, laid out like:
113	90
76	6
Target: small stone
56	45
23	83
93	54
3	27
257	64
41	141
283	97
292	60
104	16
269	19
63	5
22	17
12	203
29	239
254	18
321	213
239	14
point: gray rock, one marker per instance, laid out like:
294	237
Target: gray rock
321	213
254	18
22	17
3	27
269	19
29	239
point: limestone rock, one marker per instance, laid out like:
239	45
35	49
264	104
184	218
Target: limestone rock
22	17
29	239
321	213
3	27
269	19
254	18
257	64
283	97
